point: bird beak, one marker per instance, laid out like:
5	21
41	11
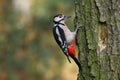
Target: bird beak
66	17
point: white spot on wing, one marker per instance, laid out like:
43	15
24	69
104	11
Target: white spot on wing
55	25
59	38
57	31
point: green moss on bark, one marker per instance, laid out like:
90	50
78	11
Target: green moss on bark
97	40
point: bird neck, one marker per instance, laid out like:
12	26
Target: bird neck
60	22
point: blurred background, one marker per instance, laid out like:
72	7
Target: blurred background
28	50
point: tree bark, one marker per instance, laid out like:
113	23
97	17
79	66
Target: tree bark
98	40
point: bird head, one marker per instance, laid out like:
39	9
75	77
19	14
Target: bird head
60	18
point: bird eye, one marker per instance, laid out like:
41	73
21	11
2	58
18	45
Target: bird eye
60	16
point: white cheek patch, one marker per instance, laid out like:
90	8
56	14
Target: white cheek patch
57	19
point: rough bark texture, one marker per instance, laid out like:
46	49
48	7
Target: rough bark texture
99	40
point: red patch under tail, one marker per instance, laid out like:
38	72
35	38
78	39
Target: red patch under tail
71	50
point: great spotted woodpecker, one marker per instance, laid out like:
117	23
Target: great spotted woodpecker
65	38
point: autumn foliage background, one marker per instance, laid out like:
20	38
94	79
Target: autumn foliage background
27	48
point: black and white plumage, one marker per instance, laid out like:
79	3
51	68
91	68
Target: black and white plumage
63	36
59	34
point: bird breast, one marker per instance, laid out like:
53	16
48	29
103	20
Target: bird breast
69	35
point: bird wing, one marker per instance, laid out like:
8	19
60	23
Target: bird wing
59	36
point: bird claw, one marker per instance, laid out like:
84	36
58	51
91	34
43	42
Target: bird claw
79	26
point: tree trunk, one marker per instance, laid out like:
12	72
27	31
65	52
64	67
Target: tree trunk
98	40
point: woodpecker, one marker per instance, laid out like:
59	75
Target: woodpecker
65	38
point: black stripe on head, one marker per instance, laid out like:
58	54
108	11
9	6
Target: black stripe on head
57	15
